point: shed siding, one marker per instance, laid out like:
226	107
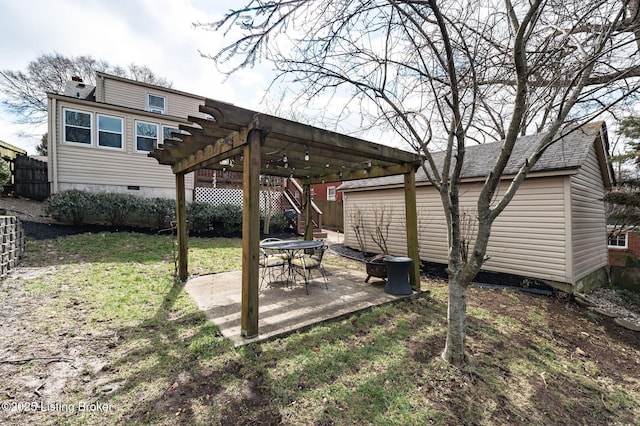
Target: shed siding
89	165
588	218
122	93
527	239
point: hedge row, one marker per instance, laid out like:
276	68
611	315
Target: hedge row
80	207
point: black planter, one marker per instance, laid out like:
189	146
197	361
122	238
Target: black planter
398	275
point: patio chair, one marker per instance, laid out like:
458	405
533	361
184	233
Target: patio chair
270	259
310	262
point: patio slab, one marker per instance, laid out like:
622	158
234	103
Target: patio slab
283	310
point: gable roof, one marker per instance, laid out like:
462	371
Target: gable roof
79	90
567	154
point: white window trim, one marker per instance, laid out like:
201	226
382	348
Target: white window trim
64	128
330	198
626	242
122	141
157	110
135	136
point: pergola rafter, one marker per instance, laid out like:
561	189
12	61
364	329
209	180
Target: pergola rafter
258	144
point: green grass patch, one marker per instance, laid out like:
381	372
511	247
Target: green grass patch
140	344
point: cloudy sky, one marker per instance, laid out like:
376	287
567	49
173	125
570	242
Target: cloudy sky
156	33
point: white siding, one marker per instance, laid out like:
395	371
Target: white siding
589	218
117	92
528	239
92	167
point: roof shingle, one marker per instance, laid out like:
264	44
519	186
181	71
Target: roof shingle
568	153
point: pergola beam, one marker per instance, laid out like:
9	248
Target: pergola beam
250	235
280	128
181	219
219	150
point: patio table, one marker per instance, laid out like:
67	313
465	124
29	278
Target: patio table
291	248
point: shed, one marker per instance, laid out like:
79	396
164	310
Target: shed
9	153
554	229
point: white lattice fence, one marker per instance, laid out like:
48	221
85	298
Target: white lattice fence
11	243
219	196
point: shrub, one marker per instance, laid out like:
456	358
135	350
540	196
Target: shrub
71	205
115	208
278	223
160	212
227	218
199	216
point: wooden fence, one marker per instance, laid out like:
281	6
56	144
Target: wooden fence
31	178
332	214
11	243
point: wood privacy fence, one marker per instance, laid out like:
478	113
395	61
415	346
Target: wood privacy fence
11	243
332	215
31	178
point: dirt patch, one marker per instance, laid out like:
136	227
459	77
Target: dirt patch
25	209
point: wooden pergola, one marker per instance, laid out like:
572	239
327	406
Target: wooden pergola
258	144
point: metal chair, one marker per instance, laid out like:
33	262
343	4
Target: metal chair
308	263
270	259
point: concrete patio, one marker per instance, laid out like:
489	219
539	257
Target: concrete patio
285	309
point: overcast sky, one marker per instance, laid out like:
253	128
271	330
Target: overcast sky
156	33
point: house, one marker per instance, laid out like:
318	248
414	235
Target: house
100	136
554	230
327	191
624	248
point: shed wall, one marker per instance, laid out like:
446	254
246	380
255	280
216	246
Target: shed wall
529	238
589	218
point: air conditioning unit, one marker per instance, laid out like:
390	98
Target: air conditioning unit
156	110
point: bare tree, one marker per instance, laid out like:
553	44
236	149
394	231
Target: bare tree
382	215
356	221
26	91
444	74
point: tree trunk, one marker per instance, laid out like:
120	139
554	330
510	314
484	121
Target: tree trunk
456	322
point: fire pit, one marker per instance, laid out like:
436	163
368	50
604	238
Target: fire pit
376	267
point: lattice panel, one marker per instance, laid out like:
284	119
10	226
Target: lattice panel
219	196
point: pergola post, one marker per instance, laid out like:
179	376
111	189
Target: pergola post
411	213
251	234
181	217
308	218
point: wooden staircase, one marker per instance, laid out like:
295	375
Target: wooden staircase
293	194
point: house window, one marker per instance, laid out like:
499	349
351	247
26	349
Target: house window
77	127
146	136
331	193
156	103
617	240
109	131
166	132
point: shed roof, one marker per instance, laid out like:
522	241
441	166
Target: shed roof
9	151
568	153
